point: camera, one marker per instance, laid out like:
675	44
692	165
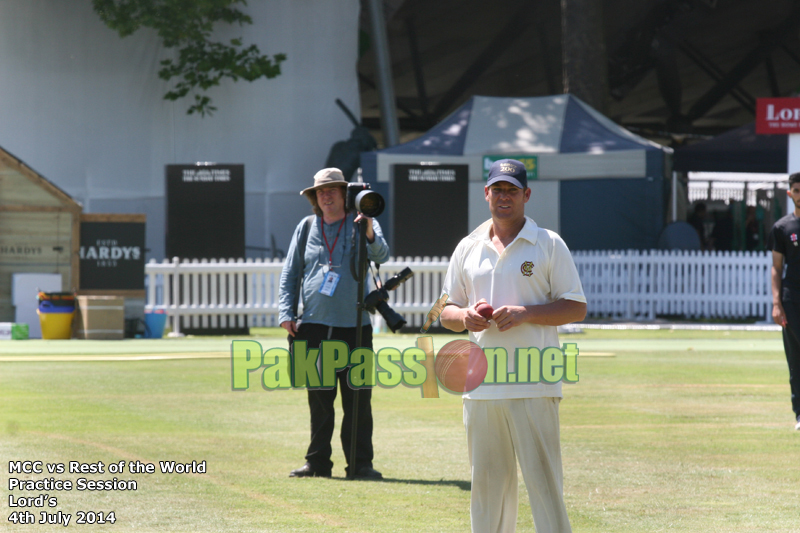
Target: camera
363	199
377	300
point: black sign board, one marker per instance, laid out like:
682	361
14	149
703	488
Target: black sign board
205	211
431	209
112	253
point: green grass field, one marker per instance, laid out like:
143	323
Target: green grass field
665	431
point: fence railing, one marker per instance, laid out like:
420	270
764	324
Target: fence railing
641	285
211	294
633	285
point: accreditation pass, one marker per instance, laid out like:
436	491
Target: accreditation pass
329	283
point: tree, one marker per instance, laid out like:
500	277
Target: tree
187	25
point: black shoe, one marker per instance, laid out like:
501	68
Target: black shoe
308	471
367	472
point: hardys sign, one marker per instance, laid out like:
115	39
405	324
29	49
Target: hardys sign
777	115
112	252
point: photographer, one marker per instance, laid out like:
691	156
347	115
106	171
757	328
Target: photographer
329	295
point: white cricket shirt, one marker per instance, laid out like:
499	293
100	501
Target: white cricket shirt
536	268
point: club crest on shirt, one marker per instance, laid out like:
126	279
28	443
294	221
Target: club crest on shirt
526	268
793	236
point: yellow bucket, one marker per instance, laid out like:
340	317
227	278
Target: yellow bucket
56	325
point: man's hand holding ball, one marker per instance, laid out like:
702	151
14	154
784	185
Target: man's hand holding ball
485	310
475	318
505	317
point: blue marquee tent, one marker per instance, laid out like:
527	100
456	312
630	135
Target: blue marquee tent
597	184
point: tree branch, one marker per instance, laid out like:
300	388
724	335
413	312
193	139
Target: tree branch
187	25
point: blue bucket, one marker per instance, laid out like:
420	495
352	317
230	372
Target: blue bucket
50	306
154	325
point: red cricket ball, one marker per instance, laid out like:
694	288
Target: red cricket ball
460	366
485	310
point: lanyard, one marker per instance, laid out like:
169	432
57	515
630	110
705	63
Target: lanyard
325	237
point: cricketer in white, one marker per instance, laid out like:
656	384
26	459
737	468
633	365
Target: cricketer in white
527	274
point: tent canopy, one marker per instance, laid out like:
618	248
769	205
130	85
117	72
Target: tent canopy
738	150
588	168
547	124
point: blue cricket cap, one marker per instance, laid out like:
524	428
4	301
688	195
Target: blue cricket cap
509	170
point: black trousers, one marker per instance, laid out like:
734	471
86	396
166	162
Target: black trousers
791	342
320	403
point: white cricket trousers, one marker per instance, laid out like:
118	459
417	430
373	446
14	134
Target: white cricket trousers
498	433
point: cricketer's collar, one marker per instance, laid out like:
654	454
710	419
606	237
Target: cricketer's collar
529	232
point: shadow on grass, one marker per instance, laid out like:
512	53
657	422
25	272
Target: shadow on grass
463	485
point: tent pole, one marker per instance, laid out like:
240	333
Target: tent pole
383	67
674	196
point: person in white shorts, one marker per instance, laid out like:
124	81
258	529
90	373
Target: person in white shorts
527	275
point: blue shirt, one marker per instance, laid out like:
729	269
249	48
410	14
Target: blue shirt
338	310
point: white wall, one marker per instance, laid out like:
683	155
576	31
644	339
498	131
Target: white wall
84	108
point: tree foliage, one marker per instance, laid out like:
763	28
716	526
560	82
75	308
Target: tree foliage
187	25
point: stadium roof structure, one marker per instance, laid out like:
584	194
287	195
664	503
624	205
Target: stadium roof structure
677	68
738	150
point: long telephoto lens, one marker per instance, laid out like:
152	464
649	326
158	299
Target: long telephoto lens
395	281
393	319
370	203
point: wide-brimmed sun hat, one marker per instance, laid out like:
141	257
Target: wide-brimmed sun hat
325	178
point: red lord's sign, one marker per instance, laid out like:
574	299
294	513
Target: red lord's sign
777	115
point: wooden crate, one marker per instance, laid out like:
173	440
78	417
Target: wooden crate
99	318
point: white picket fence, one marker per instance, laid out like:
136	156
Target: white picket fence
628	285
641	285
211	294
